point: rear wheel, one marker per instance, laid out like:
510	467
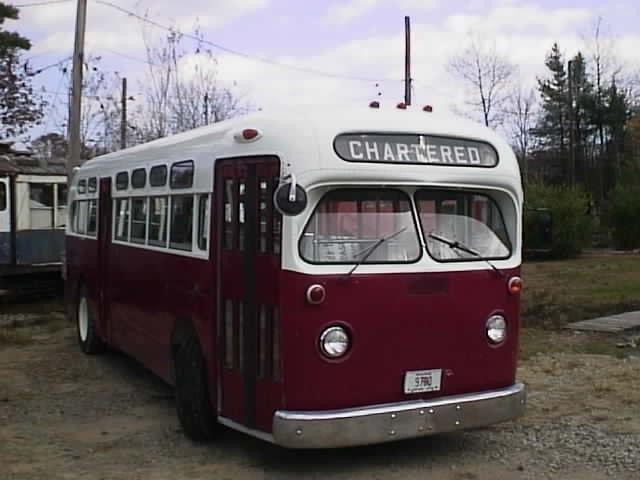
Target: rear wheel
194	410
88	338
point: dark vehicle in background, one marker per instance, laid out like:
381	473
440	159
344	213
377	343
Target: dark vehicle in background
538	233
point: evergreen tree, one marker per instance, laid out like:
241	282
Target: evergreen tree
617	111
552	128
583	104
19	107
10	40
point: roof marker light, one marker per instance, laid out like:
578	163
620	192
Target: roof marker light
248	135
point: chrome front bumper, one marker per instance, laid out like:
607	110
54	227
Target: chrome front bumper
397	421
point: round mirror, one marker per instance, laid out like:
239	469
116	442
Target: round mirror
283	202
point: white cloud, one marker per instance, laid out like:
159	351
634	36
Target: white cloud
54	25
417	4
345	12
524	32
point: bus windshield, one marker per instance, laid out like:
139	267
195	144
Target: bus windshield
461	225
347	223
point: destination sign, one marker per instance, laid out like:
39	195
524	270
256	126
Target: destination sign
415	149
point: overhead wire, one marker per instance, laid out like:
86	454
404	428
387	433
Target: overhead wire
217	46
41	4
241	54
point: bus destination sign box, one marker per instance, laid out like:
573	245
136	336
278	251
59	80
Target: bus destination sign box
415	149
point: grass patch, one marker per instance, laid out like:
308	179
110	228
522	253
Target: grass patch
537	341
559	292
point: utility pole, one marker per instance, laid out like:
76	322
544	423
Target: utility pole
123	121
75	147
206	109
407	61
572	133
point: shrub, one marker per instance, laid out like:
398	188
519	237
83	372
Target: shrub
623	214
571	228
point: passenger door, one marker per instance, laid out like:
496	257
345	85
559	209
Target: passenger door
104	240
248	239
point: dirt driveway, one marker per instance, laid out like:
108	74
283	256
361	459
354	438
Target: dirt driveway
67	416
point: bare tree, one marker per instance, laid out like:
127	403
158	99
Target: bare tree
521	115
487	74
182	90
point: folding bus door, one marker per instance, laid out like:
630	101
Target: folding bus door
248	231
104	240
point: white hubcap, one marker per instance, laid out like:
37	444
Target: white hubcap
83	319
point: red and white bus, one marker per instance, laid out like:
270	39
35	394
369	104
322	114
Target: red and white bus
316	278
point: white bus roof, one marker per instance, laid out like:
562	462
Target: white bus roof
304	140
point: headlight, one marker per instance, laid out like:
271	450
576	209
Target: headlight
334	342
496	329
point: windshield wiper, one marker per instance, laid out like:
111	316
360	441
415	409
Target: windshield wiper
456	245
367	252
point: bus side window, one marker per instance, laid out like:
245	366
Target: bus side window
158	216
203	222
92	220
81	221
139	178
122	219
158	176
181	236
138	219
122	181
41	205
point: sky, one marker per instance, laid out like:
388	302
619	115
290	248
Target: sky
336	52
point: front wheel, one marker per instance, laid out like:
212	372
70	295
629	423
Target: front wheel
88	338
193	407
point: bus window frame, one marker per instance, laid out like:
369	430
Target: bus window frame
412	210
471	193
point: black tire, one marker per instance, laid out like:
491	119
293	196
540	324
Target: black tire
196	416
88	338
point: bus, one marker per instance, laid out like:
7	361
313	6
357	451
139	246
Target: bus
33	200
316	278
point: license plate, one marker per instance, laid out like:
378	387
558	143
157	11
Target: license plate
421	381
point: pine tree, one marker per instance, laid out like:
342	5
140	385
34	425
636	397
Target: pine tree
583	104
552	128
10	40
19	107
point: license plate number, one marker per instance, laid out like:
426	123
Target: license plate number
421	381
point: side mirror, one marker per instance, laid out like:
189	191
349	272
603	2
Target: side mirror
290	198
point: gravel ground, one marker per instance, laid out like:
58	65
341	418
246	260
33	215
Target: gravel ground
66	416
